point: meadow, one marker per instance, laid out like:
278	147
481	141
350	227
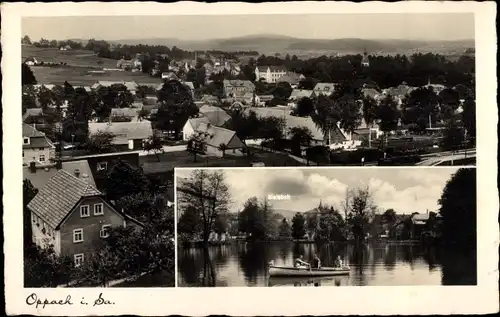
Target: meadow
78	68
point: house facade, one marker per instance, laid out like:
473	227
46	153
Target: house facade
215	136
73	216
237	88
36	146
269	74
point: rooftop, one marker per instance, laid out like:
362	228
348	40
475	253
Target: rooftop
59	196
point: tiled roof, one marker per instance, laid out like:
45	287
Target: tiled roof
300	93
31	132
216	135
131	85
293	121
38	142
215	115
44	172
238	83
59	196
32	112
325	87
127	112
124	131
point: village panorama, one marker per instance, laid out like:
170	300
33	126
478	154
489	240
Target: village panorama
105	123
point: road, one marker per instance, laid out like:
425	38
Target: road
446	157
166	149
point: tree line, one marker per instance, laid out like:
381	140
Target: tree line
127	252
205	198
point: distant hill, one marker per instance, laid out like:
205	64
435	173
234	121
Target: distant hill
271	43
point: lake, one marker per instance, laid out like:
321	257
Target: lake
374	264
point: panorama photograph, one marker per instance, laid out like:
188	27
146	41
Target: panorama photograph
326	227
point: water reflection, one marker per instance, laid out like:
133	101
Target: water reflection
246	264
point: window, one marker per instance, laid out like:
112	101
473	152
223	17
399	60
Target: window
98	210
102	166
84	211
104	233
26	140
78	259
77	235
42	158
41	148
23	153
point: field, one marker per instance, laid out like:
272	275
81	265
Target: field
77	58
77	76
79	63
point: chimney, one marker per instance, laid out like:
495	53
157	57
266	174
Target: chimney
32	167
58	164
77	173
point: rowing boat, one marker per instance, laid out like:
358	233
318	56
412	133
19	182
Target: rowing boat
304	271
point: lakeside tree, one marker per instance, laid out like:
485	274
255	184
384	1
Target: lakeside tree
207	192
312	225
285	231
189	224
458	209
360	210
330	225
27	76
298	226
252	220
100	142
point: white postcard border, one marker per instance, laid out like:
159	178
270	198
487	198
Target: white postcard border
259	301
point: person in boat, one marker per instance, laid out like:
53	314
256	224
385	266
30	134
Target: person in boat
316	262
338	262
299	262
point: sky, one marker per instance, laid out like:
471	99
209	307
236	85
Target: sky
421	26
406	190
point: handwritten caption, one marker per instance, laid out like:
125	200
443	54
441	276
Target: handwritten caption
38	302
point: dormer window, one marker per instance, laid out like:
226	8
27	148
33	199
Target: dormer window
26	140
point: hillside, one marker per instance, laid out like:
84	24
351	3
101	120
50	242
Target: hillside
269	43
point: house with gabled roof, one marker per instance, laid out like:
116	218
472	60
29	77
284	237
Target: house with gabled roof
73	216
128	135
36	146
131	85
214	136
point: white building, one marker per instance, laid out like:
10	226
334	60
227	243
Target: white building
36	146
269	74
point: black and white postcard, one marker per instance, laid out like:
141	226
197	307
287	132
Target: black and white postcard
195	159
